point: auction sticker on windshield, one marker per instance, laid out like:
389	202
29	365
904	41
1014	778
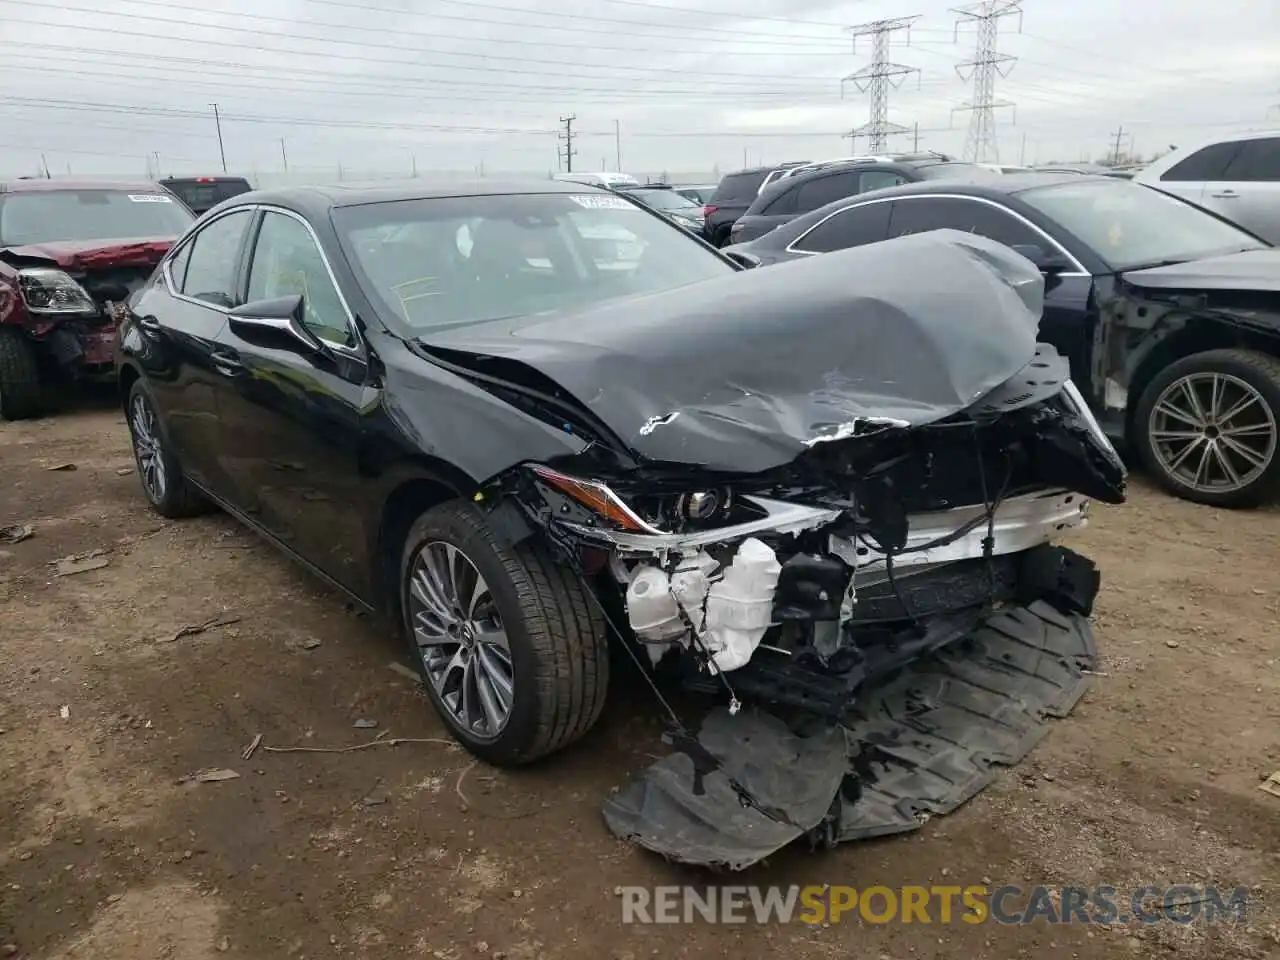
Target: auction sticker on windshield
149	198
601	203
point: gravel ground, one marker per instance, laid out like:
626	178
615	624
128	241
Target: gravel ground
108	848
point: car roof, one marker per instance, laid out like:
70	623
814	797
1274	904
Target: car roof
319	199
993	188
46	185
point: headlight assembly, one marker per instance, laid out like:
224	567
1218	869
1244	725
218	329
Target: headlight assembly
47	290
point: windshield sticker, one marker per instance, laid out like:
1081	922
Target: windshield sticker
601	202
149	198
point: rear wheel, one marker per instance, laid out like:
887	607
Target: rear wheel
1207	427
158	469
513	652
19	376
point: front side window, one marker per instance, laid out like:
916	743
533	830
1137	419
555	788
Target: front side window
1129	225
1207	163
917	215
212	264
43	216
286	261
439	262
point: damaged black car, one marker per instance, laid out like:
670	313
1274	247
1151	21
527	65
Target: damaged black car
526	420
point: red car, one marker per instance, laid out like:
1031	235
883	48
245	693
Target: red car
71	252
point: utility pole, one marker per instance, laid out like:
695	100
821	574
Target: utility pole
986	65
217	119
284	157
1022	157
568	152
44	162
413	160
617	144
915	139
1115	154
878	78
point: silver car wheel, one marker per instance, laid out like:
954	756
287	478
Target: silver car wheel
147	448
1213	432
461	639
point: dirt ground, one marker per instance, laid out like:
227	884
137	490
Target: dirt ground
109	850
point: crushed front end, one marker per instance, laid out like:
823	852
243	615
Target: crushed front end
880	563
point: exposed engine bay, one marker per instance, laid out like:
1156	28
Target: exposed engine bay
856	533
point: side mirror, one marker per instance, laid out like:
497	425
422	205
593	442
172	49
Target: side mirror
278	318
747	261
1047	262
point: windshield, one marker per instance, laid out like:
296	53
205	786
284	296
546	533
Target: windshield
202	195
437	262
49	215
668	200
1129	225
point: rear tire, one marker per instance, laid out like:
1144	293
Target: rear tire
158	469
1233	459
526	621
20	396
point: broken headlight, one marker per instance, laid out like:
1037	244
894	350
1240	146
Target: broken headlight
1080	407
47	290
650	512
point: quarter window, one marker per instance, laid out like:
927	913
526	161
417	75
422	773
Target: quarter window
853	227
211	266
286	261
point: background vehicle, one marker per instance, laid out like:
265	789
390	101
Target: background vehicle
699	193
1167	313
815	185
602	179
71	253
1236	176
669	202
735	192
204	193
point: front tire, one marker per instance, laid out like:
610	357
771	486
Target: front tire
20	397
162	479
513	653
1206	428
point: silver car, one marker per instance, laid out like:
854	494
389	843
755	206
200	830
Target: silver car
1236	176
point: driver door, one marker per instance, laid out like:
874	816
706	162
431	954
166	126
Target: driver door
292	416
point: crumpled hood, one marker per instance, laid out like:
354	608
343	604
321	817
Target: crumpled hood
93	254
1247	270
743	373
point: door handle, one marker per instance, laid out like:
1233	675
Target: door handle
150	324
1225	195
226	363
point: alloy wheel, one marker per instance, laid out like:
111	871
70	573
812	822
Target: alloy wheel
461	638
147	448
1213	432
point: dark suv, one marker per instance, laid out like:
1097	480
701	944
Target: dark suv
202	194
804	189
736	192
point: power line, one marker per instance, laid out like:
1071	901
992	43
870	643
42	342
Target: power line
987	63
741	79
567	153
878	78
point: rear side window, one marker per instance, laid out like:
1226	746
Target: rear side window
1208	163
879	180
739	186
818	193
783	203
854	227
1258	160
215	255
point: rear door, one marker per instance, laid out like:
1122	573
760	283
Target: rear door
182	329
292	417
1070	313
1249	191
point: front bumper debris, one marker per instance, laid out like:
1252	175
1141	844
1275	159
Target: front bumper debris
918	744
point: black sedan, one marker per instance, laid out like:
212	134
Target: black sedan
519	418
1169	315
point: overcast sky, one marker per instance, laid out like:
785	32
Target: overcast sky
694	86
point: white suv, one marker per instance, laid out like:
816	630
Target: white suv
1236	177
